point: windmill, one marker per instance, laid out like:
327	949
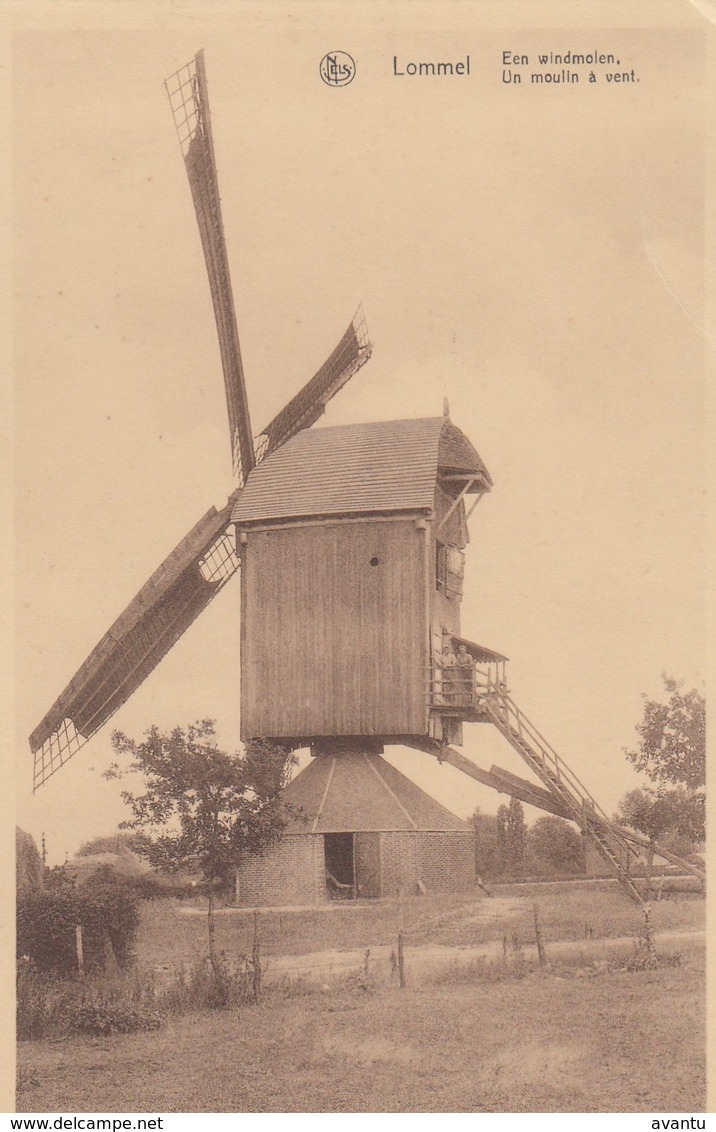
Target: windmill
349	542
205	560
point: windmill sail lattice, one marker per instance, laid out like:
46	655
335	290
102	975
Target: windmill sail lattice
202	563
303	410
189	101
177	592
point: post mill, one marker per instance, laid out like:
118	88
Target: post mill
350	546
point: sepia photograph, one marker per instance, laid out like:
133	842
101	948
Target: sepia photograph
359	377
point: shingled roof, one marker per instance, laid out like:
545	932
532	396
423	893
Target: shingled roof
358	469
357	793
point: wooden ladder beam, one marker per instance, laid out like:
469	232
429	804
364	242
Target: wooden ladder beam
564	787
500	780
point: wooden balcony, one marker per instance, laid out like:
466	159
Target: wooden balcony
461	691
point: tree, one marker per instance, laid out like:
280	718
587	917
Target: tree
501	838
655	812
119	842
488	860
555	845
515	835
29	870
672	738
672	753
202	808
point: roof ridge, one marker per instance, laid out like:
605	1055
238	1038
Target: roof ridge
365	792
394	796
318	429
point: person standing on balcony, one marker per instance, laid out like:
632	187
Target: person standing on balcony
448	663
465	664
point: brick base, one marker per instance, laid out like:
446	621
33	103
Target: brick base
293	872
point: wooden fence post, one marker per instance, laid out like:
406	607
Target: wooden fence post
542	955
649	941
401	959
256	959
79	950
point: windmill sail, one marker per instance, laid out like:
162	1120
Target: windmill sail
141	636
352	352
206	558
189	101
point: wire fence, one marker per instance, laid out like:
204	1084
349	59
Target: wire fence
397	941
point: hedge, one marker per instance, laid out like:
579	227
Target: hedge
46	923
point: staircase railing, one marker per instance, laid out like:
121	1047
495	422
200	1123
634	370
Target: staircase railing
503	709
564	784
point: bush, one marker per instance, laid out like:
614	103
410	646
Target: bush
196	988
46	923
113	1016
555	847
146	886
49	1006
41	1000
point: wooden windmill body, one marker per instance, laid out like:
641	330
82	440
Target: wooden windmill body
349	542
352	543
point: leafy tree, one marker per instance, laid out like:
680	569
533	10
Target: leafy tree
672	752
656	812
488	858
516	836
119	842
202	808
555	845
511	833
672	738
501	838
29	870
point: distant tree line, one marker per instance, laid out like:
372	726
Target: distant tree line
671	753
506	847
670	811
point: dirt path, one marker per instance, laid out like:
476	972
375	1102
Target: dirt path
423	960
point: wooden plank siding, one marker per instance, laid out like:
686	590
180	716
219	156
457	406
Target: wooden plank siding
332	645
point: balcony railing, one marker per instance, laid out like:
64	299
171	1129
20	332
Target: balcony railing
464	686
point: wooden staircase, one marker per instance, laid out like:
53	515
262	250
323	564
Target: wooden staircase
571	795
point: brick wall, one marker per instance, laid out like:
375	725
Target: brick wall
444	862
399	863
292	872
447	860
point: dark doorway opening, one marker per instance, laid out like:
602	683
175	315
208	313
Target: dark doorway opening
340	865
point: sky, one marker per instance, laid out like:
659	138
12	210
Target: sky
532	253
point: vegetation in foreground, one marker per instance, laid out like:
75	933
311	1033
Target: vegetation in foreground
172	975
170	933
202	807
546	1043
619	1042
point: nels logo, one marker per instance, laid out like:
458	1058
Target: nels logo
337	68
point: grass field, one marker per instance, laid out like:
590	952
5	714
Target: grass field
496	1035
172	932
618	1042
